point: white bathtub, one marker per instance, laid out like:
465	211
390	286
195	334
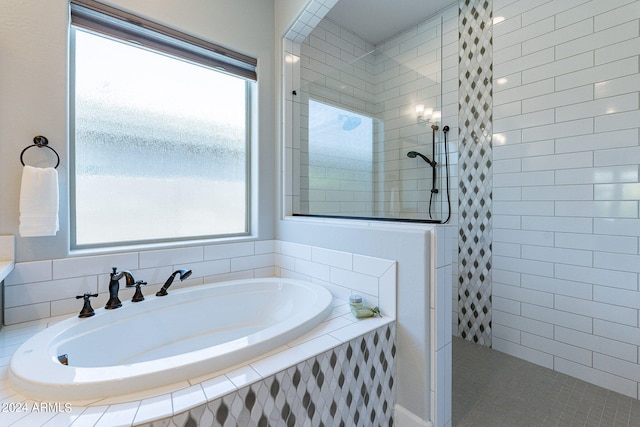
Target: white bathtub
189	333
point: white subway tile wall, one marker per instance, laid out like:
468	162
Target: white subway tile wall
409	72
314	12
566	187
330	72
442	303
42	289
405	71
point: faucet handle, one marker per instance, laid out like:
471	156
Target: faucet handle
87	310
136	284
137	297
86	295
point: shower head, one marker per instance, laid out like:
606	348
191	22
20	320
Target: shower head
184	273
414	154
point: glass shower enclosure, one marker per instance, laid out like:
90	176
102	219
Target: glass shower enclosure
368	137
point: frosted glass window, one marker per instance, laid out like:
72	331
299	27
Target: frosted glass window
159	145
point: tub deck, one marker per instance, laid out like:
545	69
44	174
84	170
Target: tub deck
165	402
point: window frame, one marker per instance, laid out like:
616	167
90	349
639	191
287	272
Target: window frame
250	89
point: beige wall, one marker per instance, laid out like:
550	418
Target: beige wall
34	92
286	11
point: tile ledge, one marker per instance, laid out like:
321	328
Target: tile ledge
6	267
7	255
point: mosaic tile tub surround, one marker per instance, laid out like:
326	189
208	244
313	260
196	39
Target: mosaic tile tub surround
350	385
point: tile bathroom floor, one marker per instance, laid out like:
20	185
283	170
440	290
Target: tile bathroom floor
492	389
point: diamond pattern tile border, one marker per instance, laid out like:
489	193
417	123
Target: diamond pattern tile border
354	384
475	111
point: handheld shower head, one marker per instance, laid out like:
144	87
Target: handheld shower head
183	274
413	154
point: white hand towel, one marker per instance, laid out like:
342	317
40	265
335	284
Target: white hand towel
39	202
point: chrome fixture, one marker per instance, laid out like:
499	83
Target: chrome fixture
87	310
183	275
114	287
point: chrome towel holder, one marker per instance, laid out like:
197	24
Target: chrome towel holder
40	141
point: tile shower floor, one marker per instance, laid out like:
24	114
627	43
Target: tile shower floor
492	389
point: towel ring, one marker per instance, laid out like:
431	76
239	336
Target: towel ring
40	141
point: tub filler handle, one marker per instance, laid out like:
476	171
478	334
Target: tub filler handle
137	297
87	310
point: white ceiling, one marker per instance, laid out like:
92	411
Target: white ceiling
378	20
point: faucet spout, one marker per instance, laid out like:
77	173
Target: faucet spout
114	287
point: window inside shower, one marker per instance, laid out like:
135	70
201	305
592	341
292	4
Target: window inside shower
338	160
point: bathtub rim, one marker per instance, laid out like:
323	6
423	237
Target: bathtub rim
73	391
